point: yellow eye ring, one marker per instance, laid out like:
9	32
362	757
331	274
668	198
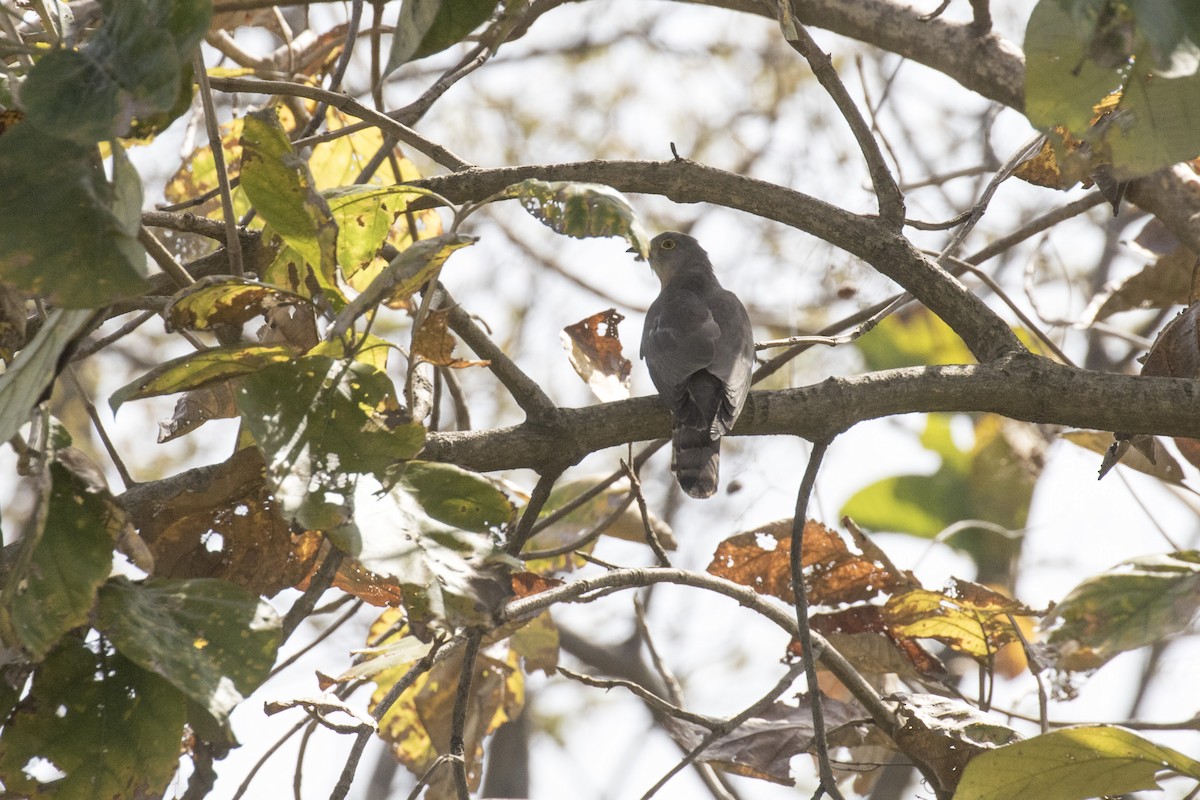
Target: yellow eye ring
668	244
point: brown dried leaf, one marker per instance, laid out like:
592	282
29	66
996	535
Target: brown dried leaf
861	635
945	734
526	584
1176	350
197	407
762	747
1163	467
353	578
597	356
433	343
761	559
226	527
1167	282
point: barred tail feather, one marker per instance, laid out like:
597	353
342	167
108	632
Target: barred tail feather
696	460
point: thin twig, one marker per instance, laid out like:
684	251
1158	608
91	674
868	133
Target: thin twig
1019	156
245	784
532	399
645	695
575	502
322	636
1029	324
458	723
439	652
91	348
729	726
462	412
616	579
316	587
232	242
881	309
351	106
807	655
339	71
90	407
635	488
163	257
590	536
891	201
537	499
1035	669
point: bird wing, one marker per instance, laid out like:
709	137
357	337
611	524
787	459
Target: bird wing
733	355
679	339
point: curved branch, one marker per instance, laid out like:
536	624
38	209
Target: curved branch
685	181
1026	388
526	607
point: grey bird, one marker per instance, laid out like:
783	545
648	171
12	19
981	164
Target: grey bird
699	348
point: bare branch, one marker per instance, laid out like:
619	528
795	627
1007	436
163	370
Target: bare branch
349	105
232	242
1023	387
808	655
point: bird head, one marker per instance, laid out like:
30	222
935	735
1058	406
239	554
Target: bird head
673	253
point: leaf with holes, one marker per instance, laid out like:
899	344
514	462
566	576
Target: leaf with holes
212	640
1134	604
581	210
320	423
112	727
597	357
64	557
197	370
224	301
967	617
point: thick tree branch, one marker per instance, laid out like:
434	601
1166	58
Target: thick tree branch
1022	387
688	182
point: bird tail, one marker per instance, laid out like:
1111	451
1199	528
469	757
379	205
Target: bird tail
696	461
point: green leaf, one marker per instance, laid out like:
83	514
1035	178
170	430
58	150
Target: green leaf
223	301
364	216
130	69
1122	78
990	482
1136	603
914	339
426	27
403	276
457	497
86	263
319	423
280	186
581	210
212	640
64	557
112	727
68	94
196	370
443	570
1071	764
35	368
1154	126
1062	82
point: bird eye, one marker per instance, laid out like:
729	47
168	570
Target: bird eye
668	244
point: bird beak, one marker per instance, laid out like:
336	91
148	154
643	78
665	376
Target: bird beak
638	257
